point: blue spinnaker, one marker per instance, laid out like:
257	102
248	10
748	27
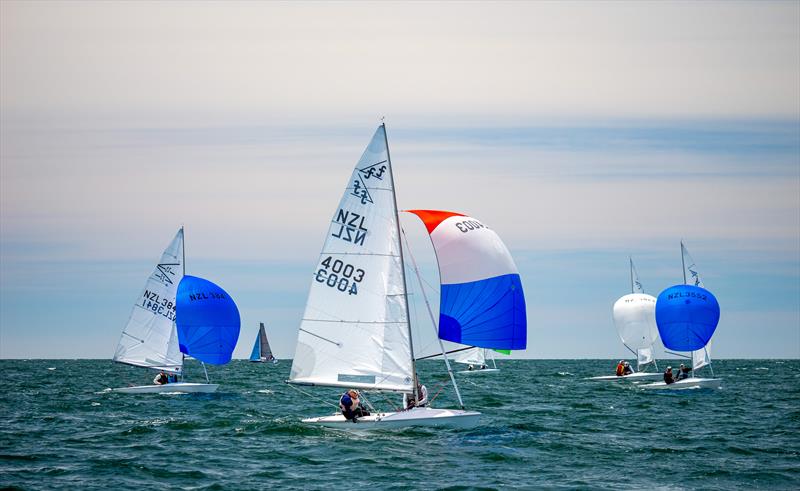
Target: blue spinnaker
686	316
207	320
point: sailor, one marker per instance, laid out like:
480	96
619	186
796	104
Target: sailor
172	378
483	367
668	379
351	406
627	370
683	372
161	378
409	402
470	367
620	368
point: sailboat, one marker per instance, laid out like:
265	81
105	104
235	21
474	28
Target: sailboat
355	332
634	317
156	337
261	350
476	359
687	316
482	303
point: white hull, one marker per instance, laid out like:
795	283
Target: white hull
630	377
419	416
687	383
185	387
478	370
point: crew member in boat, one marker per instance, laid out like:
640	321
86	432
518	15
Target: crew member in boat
470	367
483	367
683	372
626	369
172	378
351	406
161	378
668	378
409	402
620	368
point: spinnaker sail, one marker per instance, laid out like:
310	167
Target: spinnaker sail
481	298
207	319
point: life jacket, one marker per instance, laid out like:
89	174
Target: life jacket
620	369
668	378
347	405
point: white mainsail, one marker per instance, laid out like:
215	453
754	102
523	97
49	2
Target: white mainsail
473	356
150	338
701	357
354	331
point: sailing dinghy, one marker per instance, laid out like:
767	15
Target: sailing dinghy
261	351
635	319
355	332
475	358
687	316
157	337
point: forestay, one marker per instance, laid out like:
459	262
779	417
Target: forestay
482	302
208	321
354	331
149	338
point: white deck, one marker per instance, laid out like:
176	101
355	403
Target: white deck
184	387
687	383
631	377
419	416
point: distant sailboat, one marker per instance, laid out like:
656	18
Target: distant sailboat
156	337
687	316
635	319
475	359
261	350
355	331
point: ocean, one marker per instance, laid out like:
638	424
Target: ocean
543	426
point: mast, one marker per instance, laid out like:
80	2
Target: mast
433	323
683	263
402	265
174	323
631	261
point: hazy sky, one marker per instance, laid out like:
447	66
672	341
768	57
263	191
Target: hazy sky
581	133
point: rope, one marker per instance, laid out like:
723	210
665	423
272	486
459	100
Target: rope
312	396
441	388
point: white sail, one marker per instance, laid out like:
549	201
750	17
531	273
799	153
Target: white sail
690	272
150	339
644	356
354	331
635	319
473	356
701	357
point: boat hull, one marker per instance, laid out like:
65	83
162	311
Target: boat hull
483	370
184	387
420	416
631	378
687	383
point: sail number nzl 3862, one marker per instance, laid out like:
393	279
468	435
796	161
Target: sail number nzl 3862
342	276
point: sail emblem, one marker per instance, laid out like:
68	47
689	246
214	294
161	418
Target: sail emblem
364	174
163	273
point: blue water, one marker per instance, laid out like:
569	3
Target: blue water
543	426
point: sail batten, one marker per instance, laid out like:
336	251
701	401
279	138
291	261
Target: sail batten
354	332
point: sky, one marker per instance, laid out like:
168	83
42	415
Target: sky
581	132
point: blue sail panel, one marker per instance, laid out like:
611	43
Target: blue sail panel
256	354
686	316
207	319
488	313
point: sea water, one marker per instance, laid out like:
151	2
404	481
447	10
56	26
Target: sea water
543	426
